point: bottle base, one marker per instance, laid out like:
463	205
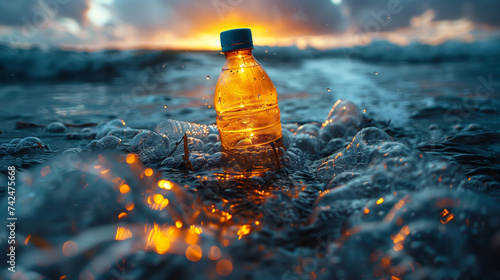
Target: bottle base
254	160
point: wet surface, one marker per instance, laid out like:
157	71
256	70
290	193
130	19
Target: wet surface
414	194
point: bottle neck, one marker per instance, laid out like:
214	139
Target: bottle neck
238	53
240	58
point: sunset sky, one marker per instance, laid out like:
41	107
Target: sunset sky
196	24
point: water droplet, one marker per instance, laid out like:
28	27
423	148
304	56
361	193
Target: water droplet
376	73
165	106
208	77
328	89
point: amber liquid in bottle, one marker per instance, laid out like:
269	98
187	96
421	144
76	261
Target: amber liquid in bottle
248	116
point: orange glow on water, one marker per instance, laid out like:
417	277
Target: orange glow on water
123	233
45	171
122	215
392	213
399	238
158	239
214	253
193	253
124	188
131	158
195	229
183	235
27	239
243	230
224	267
164	184
129	206
446	216
105	171
148	172
70	248
158	198
157	202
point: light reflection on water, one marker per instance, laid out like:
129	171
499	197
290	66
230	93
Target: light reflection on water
382	214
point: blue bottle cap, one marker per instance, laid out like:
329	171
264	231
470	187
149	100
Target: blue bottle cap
234	39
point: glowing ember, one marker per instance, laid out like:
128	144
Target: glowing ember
244	230
399	238
131	158
124	188
195	229
164	184
158	198
446	216
148	172
122	215
157	202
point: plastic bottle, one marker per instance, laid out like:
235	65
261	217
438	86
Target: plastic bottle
175	129
246	102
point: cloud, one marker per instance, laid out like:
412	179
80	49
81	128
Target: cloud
17	13
284	17
477	11
197	23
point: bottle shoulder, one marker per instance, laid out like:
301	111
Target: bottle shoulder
235	63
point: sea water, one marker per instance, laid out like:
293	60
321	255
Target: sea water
392	173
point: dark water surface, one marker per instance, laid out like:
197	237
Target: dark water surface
412	195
